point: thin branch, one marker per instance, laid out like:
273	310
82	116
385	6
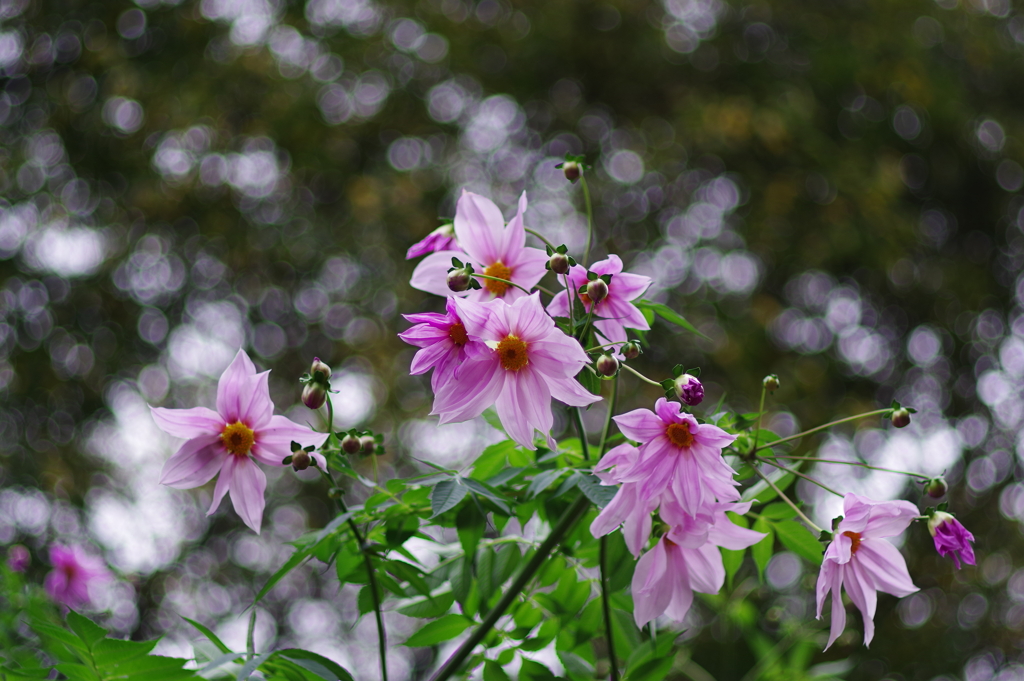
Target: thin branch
855	463
801	475
768	445
639	375
782	495
590	220
539	236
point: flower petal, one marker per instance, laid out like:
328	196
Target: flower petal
248	484
479	228
650	596
256	405
188	423
515	233
223	483
431	275
232	386
195	463
569	391
474	389
640	425
886	567
274	442
863	595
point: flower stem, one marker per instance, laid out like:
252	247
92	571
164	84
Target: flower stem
821	427
565	523
608	417
856	463
601	347
782	495
510	283
607	608
760	414
539	236
590	220
584	445
586	327
801	475
250	638
639	375
568	297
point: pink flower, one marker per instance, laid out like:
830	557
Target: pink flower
685	560
75	576
445	344
491	247
227	441
626	508
441	239
860	559
527	362
616	311
679	455
18	558
951	538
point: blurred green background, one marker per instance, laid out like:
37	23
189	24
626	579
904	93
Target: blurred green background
828	190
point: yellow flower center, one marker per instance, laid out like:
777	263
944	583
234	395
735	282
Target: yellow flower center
457	332
238	438
500	271
512	353
855	538
679	434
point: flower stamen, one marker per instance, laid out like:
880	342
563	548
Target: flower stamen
855	539
512	353
679	434
501	271
238	438
457	332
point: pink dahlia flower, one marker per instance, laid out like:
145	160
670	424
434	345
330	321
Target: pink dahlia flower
679	455
230	440
527	362
685	560
18	558
444	342
441	239
491	247
626	508
615	310
861	560
951	538
75	576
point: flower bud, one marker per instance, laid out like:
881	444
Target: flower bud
301	460
631	350
18	558
314	395
951	538
597	290
936	488
771	383
689	390
335	493
318	366
367	445
350	444
572	170
606	365
558	263
459	279
900	418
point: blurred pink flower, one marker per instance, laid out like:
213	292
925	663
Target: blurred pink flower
491	247
951	538
18	558
444	342
677	454
861	560
616	311
74	577
528	361
441	239
228	440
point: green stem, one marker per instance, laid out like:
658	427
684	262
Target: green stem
568	297
506	281
586	327
584	445
566	523
856	463
822	427
330	417
539	236
590	220
250	638
639	375
801	475
600	347
782	495
760	413
608	417
607	608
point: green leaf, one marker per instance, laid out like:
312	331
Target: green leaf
800	541
470	525
778	511
600	494
496	565
543	480
89	632
296	559
491	416
77	672
439	631
318	664
589	380
446	496
494	672
762	550
669	315
429	607
761	492
732	560
492	460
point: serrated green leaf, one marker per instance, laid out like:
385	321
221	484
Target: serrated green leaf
494	672
591	486
778	511
77	672
800	541
762	550
90	632
470	525
492	460
112	651
446	496
439	631
542	481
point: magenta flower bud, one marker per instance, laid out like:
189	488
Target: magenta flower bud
320	367
314	395
301	460
951	538
459	280
572	170
689	390
771	383
367	445
606	365
631	350
558	263
597	290
936	488
900	418
351	444
18	558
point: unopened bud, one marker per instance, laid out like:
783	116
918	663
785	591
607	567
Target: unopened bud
572	170
558	263
939	518
314	395
900	418
334	493
318	366
606	365
18	558
689	390
350	444
367	445
631	350
936	488
771	383
597	290
459	280
301	460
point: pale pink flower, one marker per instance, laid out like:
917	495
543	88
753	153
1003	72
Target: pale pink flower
626	508
685	560
491	247
18	558
444	342
441	239
528	361
951	538
679	455
860	560
230	440
75	576
615	310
